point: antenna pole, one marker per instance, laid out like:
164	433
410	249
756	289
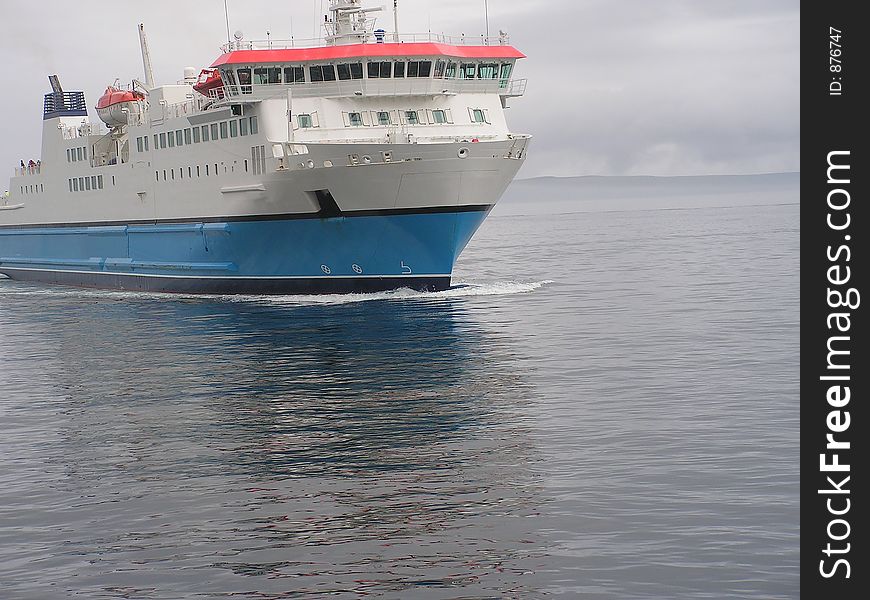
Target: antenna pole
146	58
486	12
396	20
227	14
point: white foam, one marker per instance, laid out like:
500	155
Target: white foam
461	289
458	290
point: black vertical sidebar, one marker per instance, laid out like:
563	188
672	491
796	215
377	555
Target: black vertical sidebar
835	223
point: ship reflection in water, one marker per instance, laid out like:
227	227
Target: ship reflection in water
259	449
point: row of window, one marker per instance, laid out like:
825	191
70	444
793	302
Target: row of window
76	154
210	170
440	69
195	135
408	117
85	184
36	188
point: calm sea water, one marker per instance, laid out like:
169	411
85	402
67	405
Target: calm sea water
607	409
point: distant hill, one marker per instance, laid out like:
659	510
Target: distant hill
691	184
597	193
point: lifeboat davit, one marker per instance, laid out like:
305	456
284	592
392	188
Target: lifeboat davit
116	106
210	79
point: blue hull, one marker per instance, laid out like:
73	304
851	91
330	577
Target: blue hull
271	255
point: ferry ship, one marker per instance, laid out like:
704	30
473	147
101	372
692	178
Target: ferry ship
364	161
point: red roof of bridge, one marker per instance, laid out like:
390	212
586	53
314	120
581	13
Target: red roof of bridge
294	55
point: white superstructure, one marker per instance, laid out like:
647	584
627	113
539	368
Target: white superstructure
275	132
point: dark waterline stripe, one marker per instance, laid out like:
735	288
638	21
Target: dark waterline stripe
388	212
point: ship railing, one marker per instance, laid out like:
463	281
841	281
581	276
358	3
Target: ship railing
515	88
369	87
405	38
83	130
182	109
28	170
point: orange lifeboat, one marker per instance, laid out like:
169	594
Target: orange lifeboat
210	79
115	106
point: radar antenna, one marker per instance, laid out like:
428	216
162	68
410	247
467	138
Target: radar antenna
349	23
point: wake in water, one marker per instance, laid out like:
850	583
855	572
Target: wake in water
459	290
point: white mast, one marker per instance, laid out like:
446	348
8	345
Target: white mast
146	59
396	20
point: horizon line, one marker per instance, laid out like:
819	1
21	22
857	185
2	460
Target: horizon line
658	176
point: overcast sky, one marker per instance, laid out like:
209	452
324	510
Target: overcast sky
616	87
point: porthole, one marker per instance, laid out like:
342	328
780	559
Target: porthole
310	164
367	159
463	153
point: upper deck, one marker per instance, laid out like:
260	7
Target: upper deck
415	65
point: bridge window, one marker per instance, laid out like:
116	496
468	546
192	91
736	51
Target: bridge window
439	117
412	117
294	75
234	128
155	142
196	135
243	127
468	71
451	71
171	138
162	141
440	67
506	71
79	153
140	145
214	132
384	117
380	70
245	80
255	126
223	130
100	180
419	68
187	137
304	121
322	73
205	133
355	119
350	71
261	76
179	138
488	71
399	69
